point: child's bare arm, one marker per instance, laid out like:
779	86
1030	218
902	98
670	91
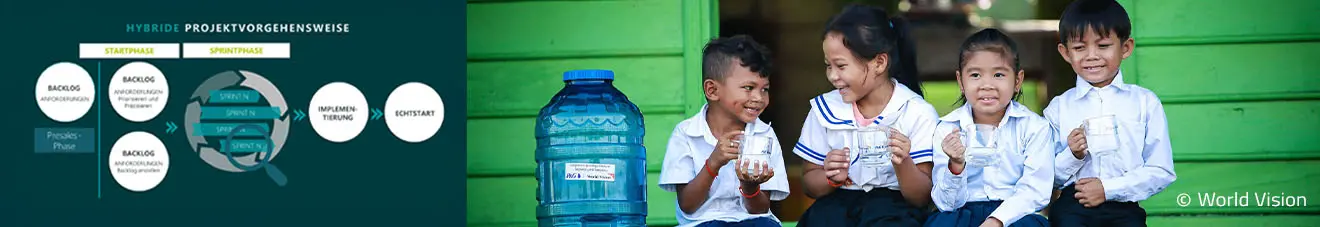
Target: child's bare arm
913	179
694	194
817	181
756	199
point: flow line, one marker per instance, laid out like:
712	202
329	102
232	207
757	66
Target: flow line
99	103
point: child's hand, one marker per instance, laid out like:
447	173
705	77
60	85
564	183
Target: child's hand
992	222
1090	192
725	150
954	148
751	175
899	146
836	165
1077	143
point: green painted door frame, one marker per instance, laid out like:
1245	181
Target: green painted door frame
516	53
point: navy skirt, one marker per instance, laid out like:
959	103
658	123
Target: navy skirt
848	208
974	213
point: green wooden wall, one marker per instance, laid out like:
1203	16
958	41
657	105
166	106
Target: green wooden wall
517	51
1242	97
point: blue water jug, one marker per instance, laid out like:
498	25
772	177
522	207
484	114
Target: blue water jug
591	165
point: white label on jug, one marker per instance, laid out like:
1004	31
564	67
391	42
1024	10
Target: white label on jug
589	171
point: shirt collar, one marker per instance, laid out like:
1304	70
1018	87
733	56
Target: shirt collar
899	99
963	115
1085	87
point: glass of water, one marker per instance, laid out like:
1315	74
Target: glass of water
872	148
982	146
755	152
1101	135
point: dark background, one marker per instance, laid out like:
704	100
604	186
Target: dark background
374	179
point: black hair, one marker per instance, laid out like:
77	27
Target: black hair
869	31
1101	16
717	58
992	40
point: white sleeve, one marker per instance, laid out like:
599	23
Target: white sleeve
811	145
923	130
778	184
949	191
1156	172
1065	164
1032	192
679	167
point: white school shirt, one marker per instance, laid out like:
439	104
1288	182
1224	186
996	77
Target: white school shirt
830	124
690	145
1023	177
1143	164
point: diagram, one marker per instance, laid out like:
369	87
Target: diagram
236	121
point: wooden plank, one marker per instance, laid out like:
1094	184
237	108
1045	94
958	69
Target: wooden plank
557	29
1252	179
1243	220
1232	98
1130	64
1194	18
701	24
1254	39
511	201
507	146
501	200
1280	130
521	88
1244	69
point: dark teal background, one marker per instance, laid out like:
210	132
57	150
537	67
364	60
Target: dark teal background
373	180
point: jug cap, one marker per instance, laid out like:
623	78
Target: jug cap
589	74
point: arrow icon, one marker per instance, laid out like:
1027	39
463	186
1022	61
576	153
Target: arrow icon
376	114
170	127
298	115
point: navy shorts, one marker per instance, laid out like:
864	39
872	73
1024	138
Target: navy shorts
1066	211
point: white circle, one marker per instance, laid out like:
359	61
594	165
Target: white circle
65	92
414	112
138	91
1184	200
338	112
139	161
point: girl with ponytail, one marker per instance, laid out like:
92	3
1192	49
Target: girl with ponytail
871	61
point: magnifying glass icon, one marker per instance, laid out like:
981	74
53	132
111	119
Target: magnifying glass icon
262	162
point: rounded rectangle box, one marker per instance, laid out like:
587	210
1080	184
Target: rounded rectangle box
64	140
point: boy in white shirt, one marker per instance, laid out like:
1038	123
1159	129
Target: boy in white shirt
1114	139
714	186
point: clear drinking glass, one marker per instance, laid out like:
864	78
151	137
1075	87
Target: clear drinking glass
755	152
1101	135
872	146
982	146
